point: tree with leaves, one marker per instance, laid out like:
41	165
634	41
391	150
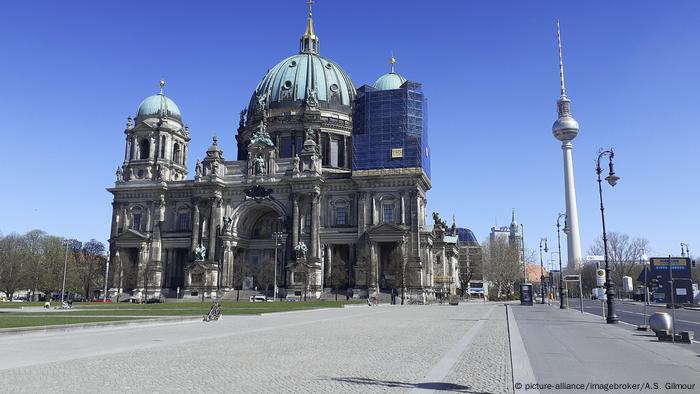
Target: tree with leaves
13	255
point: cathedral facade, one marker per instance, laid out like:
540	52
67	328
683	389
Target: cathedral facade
328	190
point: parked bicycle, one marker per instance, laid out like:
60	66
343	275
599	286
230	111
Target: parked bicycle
214	312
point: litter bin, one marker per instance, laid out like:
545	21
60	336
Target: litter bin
526	294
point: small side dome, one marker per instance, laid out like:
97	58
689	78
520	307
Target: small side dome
391	80
158	105
466	236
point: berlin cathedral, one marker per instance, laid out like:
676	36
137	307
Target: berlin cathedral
328	191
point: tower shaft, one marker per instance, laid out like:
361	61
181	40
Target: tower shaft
573	240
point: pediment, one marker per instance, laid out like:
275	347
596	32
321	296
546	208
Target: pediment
131	235
387	228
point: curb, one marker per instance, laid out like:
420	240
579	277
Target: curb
520	362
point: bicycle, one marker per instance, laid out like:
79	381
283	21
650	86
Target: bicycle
214	313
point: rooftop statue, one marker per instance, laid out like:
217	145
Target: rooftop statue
301	250
200	253
261	135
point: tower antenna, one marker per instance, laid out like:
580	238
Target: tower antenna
561	61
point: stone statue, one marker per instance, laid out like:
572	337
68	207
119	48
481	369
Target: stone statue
200	253
131	174
198	169
227	223
215	168
161	172
311	98
261	135
301	250
241	122
310	134
120	174
259	165
262	99
295	164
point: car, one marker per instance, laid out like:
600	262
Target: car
258	298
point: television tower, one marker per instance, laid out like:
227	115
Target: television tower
565	129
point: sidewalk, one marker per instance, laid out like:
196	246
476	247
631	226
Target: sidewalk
567	347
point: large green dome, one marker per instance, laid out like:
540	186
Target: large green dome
305	79
291	81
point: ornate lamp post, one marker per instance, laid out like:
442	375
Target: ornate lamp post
277	235
612	179
542	240
686	252
561	273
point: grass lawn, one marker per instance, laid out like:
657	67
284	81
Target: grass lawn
12	320
88	312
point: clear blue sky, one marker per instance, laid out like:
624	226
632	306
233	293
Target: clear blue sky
71	73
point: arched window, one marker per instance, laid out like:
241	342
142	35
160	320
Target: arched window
177	153
144	147
136	218
162	147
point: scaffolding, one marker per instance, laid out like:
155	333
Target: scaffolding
390	129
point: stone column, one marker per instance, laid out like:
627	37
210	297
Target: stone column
213	215
148	225
315	224
295	220
115	220
126	149
195	227
328	262
403	209
374	265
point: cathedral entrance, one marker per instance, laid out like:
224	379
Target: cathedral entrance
390	266
255	261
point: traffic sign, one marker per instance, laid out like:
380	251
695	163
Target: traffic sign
600	277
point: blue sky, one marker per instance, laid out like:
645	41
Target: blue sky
71	73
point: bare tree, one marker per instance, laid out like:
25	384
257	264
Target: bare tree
339	276
90	263
501	266
13	254
623	255
365	271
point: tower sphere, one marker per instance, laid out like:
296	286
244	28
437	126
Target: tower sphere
565	128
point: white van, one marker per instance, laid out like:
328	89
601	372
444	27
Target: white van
258	298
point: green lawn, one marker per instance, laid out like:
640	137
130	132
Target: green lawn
88	312
11	320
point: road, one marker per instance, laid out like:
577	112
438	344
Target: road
633	313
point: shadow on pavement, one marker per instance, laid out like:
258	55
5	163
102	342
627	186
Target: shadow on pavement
438	386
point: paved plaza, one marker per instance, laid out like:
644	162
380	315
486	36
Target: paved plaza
471	348
354	349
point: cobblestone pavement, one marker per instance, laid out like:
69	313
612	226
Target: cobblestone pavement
485	366
356	349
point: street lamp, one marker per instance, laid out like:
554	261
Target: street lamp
66	242
522	249
643	259
277	235
561	273
687	252
104	295
612	179
542	240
